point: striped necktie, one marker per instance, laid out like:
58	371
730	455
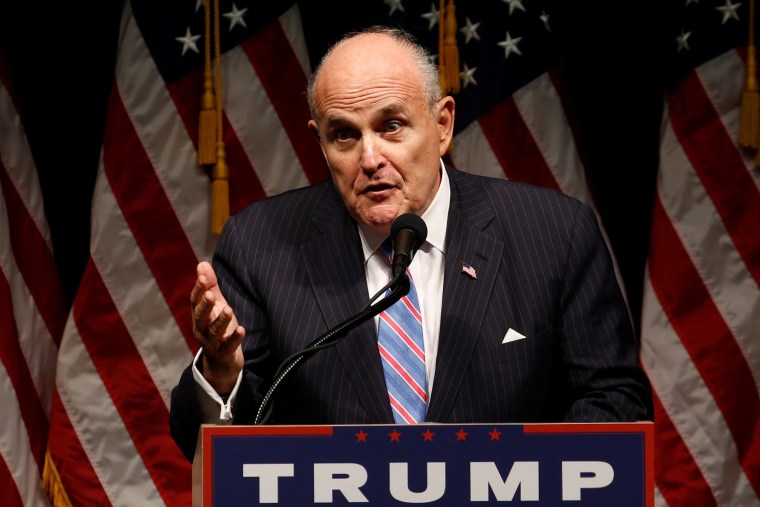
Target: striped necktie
402	350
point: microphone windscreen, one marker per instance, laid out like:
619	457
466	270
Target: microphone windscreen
412	222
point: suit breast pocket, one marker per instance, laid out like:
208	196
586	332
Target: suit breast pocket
522	349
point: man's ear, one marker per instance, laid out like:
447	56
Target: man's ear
314	129
446	112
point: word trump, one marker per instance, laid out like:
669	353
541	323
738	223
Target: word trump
485	479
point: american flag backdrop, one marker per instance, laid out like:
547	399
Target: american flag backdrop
129	334
701	306
33	311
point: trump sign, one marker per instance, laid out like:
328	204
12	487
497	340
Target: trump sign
428	464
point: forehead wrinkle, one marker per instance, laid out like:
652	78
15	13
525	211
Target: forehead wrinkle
351	92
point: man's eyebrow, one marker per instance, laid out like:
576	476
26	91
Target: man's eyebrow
340	120
337	120
392	109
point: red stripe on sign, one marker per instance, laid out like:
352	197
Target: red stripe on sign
514	147
131	388
282	77
149	214
707	338
716	160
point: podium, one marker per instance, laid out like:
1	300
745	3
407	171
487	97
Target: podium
431	464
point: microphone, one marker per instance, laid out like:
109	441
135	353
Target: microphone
408	232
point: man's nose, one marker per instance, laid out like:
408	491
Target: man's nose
371	158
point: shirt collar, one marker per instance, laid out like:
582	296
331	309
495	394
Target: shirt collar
435	217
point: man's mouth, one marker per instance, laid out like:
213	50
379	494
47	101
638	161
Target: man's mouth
378	189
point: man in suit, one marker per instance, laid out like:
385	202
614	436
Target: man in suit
522	317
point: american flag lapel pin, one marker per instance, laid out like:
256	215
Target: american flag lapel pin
469	271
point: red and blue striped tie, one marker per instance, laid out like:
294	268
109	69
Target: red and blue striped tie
403	355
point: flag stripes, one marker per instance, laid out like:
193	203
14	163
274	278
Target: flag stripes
150	227
129	335
701	306
35	312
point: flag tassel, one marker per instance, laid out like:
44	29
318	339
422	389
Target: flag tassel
750	109
207	117
51	481
220	192
448	64
220	189
207	122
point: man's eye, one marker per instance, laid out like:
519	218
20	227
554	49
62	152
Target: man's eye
342	135
393	126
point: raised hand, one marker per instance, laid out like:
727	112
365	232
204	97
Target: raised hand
217	330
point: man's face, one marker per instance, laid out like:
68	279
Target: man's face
376	129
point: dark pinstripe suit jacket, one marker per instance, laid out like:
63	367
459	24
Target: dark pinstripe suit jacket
292	267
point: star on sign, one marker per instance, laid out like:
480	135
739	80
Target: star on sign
431	16
514	4
682	41
470	30
188	41
394	5
467	76
510	45
236	17
729	11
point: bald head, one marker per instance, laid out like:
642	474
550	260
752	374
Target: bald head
376	50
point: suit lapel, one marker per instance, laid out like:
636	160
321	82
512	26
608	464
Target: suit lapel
333	259
465	299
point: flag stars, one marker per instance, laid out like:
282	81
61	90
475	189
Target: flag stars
470	30
395	435
432	16
545	19
495	435
188	41
510	45
236	17
461	435
467	76
683	41
395	5
427	435
514	4
361	436
729	11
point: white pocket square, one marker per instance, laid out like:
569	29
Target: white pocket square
512	335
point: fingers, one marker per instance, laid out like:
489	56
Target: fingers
216	330
214	323
205	281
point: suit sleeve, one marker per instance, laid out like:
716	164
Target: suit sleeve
599	350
